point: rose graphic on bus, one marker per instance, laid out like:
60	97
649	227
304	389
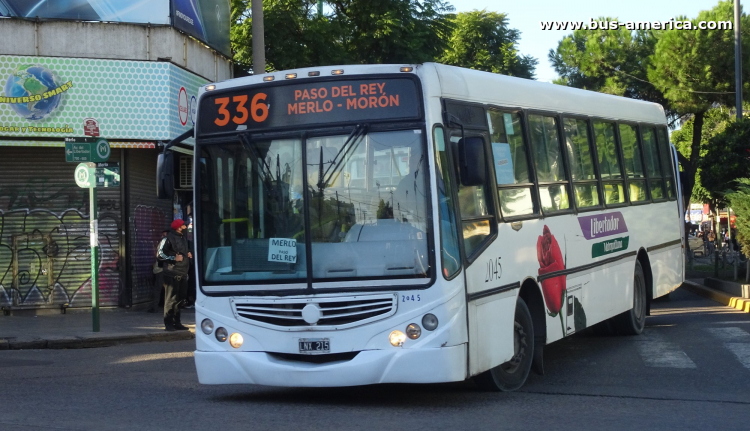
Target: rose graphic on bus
550	260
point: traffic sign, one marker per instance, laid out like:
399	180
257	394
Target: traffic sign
87	150
107	175
84	175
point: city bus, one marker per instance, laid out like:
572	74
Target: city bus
369	224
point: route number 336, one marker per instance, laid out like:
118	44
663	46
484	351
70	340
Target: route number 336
258	109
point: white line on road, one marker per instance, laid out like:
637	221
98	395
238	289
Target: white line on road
730	334
664	355
741	351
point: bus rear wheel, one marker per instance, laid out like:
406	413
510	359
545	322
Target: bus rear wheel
512	374
633	321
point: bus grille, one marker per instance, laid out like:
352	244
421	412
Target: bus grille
335	312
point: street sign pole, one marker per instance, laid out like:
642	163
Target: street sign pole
94	230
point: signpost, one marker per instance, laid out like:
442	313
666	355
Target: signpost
90	175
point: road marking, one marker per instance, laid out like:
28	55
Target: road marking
730	334
741	351
664	355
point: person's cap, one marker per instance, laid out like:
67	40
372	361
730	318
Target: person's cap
177	224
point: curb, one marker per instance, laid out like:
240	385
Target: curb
91	340
742	304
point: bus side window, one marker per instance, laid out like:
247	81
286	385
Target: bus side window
609	164
631	154
514	184
666	163
653	166
585	184
449	248
477	219
548	160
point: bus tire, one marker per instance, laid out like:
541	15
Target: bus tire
512	374
633	321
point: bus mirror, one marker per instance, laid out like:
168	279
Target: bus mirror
165	175
471	159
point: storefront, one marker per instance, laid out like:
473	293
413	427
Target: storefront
44	231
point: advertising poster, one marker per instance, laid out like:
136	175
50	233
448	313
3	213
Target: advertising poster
135	11
62	97
206	20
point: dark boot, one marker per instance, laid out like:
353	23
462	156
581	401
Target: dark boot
178	325
169	324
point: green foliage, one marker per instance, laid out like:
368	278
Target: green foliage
739	200
608	61
695	69
378	31
483	40
715	121
726	158
392	31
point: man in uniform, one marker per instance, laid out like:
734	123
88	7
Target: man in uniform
176	256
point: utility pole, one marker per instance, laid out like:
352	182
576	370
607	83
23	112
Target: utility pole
737	59
259	43
320	8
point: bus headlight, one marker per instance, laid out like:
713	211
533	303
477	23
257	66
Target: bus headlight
207	326
430	322
397	338
221	334
235	340
413	331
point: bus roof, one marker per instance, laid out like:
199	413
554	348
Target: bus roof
491	88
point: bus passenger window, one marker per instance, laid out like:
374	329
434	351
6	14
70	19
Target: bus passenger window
548	160
667	167
585	185
631	153
511	163
609	164
653	167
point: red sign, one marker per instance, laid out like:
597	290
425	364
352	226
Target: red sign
90	127
182	106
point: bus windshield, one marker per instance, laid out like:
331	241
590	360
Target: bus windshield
359	200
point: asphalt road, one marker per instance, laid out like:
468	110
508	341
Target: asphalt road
689	371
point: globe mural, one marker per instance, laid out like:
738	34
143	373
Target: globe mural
33	80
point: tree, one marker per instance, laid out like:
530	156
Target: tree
695	71
298	37
483	40
392	31
609	61
740	202
726	159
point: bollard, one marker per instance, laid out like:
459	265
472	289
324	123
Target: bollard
736	265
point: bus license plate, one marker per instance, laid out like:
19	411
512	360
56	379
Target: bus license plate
314	346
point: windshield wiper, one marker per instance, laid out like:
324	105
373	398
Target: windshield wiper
245	138
359	131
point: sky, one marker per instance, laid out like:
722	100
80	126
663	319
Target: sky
526	15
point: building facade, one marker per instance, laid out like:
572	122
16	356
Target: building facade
120	82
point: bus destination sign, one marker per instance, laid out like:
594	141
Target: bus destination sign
306	103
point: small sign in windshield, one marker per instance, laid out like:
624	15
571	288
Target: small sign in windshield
263	107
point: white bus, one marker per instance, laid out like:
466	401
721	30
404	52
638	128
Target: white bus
385	223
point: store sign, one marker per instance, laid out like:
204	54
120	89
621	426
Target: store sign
56	97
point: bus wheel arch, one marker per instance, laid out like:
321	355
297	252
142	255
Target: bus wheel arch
532	295
646	266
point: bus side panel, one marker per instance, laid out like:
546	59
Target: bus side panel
666	273
491	331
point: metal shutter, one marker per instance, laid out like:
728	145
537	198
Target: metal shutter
44	232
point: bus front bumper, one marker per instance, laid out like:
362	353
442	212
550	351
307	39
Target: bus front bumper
429	365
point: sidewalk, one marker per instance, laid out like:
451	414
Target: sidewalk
699	287
74	329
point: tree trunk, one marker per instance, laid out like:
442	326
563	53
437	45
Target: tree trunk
690	168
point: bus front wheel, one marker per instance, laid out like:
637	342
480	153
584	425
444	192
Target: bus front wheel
633	321
512	374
